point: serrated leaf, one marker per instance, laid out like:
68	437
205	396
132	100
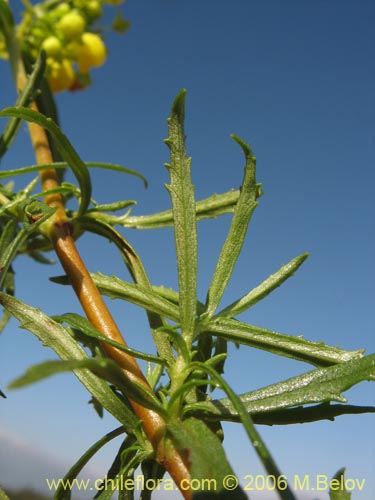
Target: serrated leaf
245	418
316	353
55	336
139	275
265	288
64	147
88	329
181	191
304	414
317	386
204	456
163	302
150	300
213	206
337	489
64	165
103	368
236	236
107	369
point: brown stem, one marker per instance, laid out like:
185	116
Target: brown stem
96	309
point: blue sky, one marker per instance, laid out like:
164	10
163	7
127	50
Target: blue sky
295	79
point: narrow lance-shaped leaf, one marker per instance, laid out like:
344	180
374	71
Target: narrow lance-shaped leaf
64	147
236	236
24	99
264	289
86	328
126	453
138	273
317	386
165	302
73	472
316	353
104	368
63	165
183	204
213	206
305	414
259	445
57	338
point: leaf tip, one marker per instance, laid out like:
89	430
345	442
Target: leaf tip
178	107
245	147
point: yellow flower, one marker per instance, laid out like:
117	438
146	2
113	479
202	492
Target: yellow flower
60	75
91	52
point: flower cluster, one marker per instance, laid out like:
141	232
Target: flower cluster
65	31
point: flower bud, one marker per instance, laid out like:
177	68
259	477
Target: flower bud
90	53
71	25
60	75
93	9
52	46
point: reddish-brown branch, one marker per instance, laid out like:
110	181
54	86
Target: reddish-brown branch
97	311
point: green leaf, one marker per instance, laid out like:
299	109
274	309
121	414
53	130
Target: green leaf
6	17
24	99
48	368
337	489
56	337
64	164
86	328
181	191
126	462
245	418
264	289
139	275
17	203
111	207
163	302
202	451
236	236
7	235
317	386
64	147
115	288
301	414
39	257
35	213
316	353
213	206
104	368
73	472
